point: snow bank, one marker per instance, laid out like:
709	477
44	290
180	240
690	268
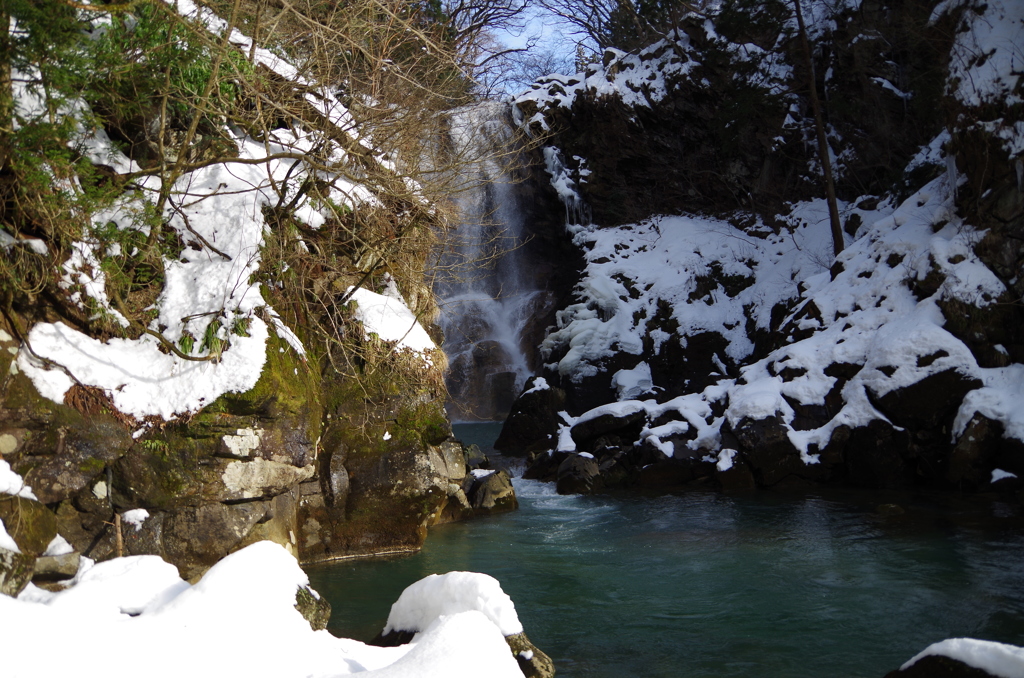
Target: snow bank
447	594
387	316
239	619
1004	661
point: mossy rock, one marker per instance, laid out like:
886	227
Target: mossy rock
288	386
155	475
532	661
30	523
16	571
313	607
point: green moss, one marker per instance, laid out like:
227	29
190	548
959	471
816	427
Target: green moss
287	386
91	466
428	421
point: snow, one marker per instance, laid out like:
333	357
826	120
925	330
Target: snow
479	473
998	659
391	320
6	540
617	409
999	474
142	603
633	383
12	483
58	546
135	518
725	457
449	594
539	384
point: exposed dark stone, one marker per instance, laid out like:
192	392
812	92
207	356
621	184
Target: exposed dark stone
972	458
937	666
533	421
577	474
737	477
767	448
544	465
690	369
928	402
876	456
994	333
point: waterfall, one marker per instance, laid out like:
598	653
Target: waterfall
488	296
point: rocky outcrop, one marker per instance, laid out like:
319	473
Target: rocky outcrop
247	467
533	420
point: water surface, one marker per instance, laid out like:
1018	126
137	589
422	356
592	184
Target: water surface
761	584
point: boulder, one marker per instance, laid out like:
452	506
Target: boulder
929	402
15	571
533	420
874	456
544	465
577	474
475	458
532	661
195	538
739	476
453	456
56	568
30	523
623	420
490	492
313	607
973	456
767	448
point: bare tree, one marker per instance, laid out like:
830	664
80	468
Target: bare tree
819	126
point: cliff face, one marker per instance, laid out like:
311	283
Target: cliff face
717	338
216	326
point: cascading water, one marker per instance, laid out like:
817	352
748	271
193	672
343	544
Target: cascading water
488	295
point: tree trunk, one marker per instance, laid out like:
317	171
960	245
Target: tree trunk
823	150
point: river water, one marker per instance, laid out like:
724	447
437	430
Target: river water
759	584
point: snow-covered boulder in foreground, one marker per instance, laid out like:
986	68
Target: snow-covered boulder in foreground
438	596
965	658
240	619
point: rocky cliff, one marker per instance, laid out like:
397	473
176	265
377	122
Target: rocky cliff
714	339
215	322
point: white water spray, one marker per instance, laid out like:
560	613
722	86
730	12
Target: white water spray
487	294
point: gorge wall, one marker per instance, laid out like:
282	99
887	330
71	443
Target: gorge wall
713	339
